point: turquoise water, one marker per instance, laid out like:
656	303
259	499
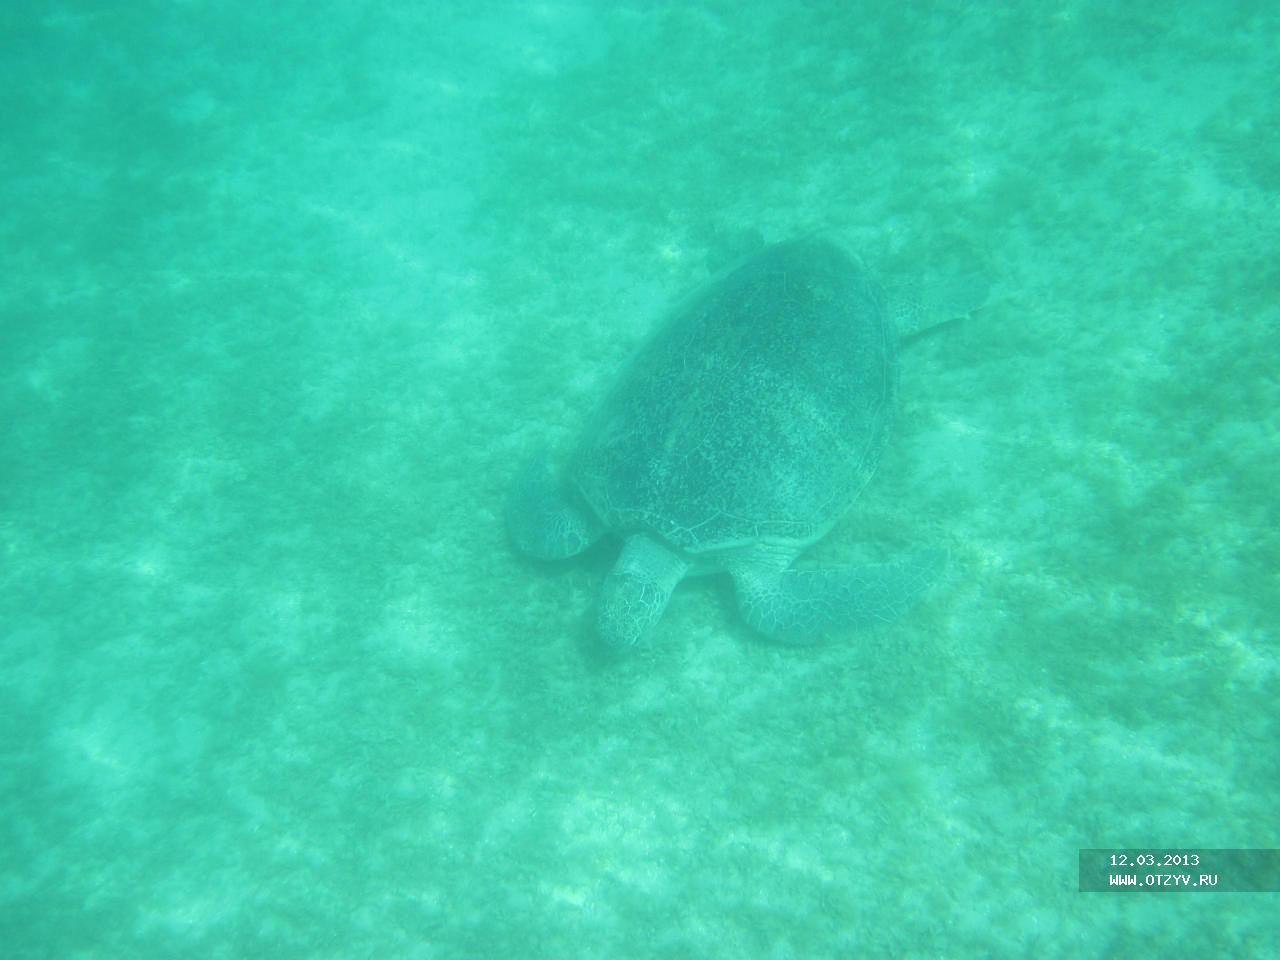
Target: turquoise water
291	289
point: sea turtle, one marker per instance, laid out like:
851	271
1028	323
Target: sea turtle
735	438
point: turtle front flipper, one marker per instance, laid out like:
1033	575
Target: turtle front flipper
542	521
809	606
637	590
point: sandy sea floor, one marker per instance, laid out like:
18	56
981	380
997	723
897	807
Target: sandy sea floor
291	291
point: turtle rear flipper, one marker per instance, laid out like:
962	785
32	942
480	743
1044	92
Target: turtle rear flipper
808	606
957	282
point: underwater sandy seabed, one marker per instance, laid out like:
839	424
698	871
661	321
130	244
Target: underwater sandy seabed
290	294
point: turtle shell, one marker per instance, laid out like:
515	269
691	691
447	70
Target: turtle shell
756	412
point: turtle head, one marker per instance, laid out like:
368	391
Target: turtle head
636	591
542	521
